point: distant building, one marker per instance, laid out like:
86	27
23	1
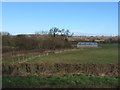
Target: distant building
87	44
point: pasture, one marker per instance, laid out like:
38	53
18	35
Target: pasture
105	53
79	67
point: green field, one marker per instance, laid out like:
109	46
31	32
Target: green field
105	53
104	59
81	81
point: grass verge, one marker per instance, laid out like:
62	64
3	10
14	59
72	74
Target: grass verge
66	80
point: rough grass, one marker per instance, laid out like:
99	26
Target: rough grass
105	53
25	69
67	80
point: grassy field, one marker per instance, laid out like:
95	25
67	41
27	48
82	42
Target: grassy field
68	80
105	53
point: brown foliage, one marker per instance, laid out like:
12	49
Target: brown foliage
59	68
26	42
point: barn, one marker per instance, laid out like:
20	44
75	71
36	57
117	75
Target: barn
87	44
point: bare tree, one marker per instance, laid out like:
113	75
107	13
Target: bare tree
53	31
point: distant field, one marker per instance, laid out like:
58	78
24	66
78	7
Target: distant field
105	53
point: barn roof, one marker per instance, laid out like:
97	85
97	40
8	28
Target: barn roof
87	43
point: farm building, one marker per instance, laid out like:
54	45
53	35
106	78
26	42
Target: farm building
87	44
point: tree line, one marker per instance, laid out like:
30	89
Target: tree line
40	41
55	39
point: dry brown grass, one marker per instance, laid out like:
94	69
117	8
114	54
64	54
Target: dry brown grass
59	68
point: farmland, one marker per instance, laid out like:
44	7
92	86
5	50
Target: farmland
65	68
105	53
59	45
